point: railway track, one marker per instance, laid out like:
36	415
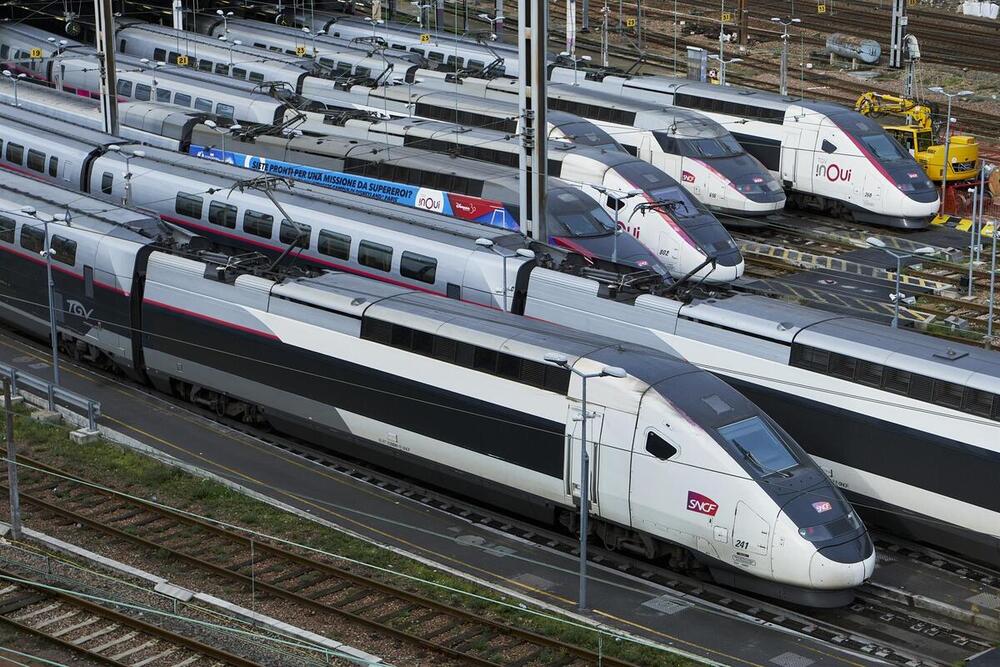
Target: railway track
857	631
88	630
301	580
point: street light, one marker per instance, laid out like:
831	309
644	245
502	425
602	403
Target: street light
314	35
947	137
420	13
496	25
15	80
607	371
225	20
520	252
785	22
576	61
45	219
127	194
879	244
722	66
619	205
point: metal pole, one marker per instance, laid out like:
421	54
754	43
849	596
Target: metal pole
783	86
505	308
584	500
993	275
53	332
105	22
585	21
15	501
620	12
899	270
604	34
439	16
178	14
498	23
979	225
972	241
638	23
947	146
532	40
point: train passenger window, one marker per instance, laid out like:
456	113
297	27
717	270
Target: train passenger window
4	50
223	215
7	227
36	161
476	64
222	68
201	104
159	54
182	100
336	245
375	255
143	92
188	205
205	65
121	45
163	95
225	111
363	72
172	57
418	267
659	447
828	147
256	77
258	224
63	250
32	238
15	153
435	55
107	182
294	233
260	45
239	73
124	87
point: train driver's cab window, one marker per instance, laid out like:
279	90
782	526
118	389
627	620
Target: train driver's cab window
757	444
659	447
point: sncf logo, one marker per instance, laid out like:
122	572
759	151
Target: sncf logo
687	177
701	504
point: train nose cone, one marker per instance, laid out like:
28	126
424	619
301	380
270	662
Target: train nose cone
843	565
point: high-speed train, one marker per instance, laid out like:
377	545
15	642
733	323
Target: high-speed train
306	76
322	48
693	149
423	251
684	466
645	202
827	156
906	424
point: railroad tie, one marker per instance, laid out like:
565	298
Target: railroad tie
135	649
37	612
128	636
80	641
73	628
156	657
55	619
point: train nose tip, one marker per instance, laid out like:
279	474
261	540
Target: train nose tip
843	565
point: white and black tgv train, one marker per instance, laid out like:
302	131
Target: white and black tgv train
646	202
693	149
452	394
906	424
827	156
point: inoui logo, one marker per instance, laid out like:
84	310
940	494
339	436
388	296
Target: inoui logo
833	172
74	307
701	504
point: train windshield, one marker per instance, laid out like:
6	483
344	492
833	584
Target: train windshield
588	134
677	201
715	147
884	148
759	445
576	214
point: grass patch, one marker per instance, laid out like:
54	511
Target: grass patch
130	472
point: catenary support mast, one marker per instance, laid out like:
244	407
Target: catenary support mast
532	20
104	19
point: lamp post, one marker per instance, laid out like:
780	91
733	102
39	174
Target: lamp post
225	20
45	219
619	205
493	23
235	127
156	64
722	66
520	252
314	35
127	194
785	22
899	257
375	24
576	61
421	8
14	80
947	139
607	371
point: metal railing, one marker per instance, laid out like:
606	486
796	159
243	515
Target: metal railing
19	378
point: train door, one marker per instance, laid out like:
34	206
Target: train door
669	250
751	535
595	426
789	156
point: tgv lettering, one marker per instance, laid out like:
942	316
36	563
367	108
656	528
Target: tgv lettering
833	172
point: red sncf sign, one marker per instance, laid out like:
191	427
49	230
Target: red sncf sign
701	504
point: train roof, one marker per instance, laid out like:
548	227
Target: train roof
862	339
477	325
88	213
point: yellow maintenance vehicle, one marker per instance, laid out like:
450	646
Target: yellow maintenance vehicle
917	135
